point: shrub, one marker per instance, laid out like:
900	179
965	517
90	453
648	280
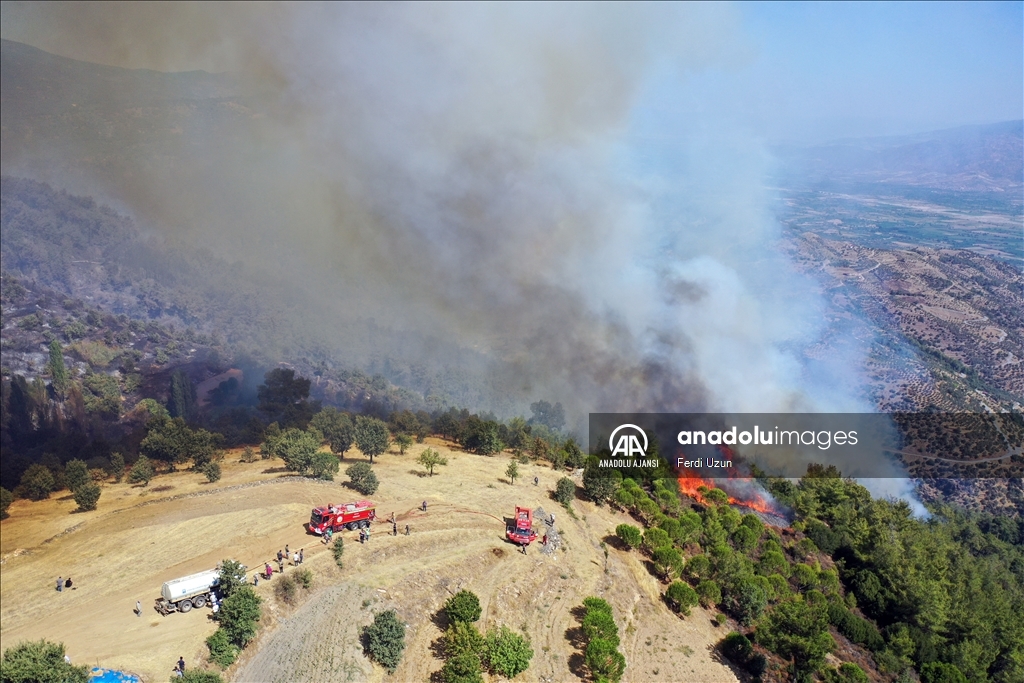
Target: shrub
594	604
249	454
737	647
87	496
303	577
681	596
37	482
212	471
565	490
39	662
199	676
286	589
941	672
857	629
629	534
337	549
6	498
142	471
463	668
508	653
709	593
222	650
462	637
362	478
463	606
385	639
604	660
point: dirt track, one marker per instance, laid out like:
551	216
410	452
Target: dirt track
123	552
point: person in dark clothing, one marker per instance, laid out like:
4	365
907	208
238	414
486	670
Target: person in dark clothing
394	528
181	664
424	506
302	555
280	557
67	584
287	553
536	481
406	529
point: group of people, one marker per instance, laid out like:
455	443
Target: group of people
179	668
63	583
282	557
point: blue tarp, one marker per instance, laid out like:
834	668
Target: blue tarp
111	676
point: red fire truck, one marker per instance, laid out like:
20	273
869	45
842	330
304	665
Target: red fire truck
521	530
357	515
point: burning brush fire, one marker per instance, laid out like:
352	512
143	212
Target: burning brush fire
743	491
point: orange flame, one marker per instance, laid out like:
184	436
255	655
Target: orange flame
690	482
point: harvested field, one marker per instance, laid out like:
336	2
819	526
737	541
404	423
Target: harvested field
132	543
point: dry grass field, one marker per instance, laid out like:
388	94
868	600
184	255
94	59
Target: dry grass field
139	538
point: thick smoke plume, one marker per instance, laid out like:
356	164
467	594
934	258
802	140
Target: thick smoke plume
497	175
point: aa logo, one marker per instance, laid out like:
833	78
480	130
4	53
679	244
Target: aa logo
628	443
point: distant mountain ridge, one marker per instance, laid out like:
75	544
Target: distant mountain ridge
985	158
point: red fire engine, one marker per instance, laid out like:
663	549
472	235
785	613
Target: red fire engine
357	515
521	531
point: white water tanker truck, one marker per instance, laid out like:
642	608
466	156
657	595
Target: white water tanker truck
181	595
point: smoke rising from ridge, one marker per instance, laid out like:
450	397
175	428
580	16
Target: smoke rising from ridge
485	173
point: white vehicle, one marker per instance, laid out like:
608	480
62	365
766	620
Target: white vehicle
181	595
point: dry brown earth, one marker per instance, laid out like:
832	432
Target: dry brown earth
139	538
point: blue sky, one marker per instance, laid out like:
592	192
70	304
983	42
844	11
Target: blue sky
818	71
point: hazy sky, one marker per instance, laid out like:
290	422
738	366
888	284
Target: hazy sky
816	71
796	71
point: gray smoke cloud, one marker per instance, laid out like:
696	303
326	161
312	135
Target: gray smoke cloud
484	173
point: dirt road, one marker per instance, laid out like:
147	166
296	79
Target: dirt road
124	551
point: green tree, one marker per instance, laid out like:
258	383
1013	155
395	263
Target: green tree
142	471
324	466
37	482
797	630
239	614
574	455
667	561
76	474
462	668
565	491
716	496
222	650
6	498
282	397
655	538
337	550
462	637
362	478
40	662
463	606
116	466
296	447
604	660
430	459
173	442
941	672
403	441
58	372
682	597
737	647
372	436
182	399
599	623
385	639
600	483
87	496
211	471
709	592
337	429
231	577
512	471
551	416
629	534
508	653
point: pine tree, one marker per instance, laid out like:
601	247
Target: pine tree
58	372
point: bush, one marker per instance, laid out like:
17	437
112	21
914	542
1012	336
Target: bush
592	604
286	589
362	478
737	647
629	534
604	660
463	606
87	496
238	615
198	676
385	639
337	549
857	629
941	672
142	471
709	593
6	498
463	668
303	577
565	490
682	597
462	637
600	624
249	454
508	653
39	662
37	482
222	650
212	471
